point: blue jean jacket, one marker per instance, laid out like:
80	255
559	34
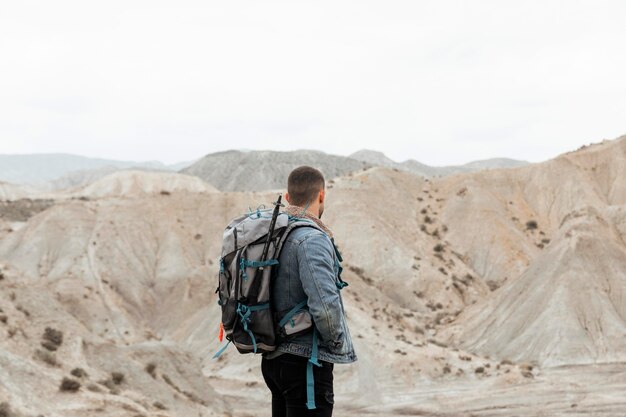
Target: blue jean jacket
308	270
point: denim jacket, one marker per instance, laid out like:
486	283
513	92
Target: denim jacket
308	270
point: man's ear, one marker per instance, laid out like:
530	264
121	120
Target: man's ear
287	197
321	196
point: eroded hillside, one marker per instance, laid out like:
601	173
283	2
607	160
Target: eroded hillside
459	287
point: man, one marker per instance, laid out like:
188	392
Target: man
308	270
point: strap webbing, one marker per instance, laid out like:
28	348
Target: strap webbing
244	312
258	264
219	352
310	381
245	263
291	313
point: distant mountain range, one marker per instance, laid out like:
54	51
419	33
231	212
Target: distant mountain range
264	170
233	170
411	165
39	169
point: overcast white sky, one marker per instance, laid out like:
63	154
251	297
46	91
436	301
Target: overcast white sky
440	81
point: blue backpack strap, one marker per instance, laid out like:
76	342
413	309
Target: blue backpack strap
219	352
245	263
244	312
341	284
258	264
291	313
310	381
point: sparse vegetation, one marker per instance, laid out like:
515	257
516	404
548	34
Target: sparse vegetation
52	339
159	405
117	378
493	285
5	410
94	388
78	372
113	389
69	385
439	247
479	370
46	357
437	343
356	269
151	369
531	225
19	307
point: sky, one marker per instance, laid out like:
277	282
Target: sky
443	82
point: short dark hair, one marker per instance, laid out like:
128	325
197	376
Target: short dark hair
303	185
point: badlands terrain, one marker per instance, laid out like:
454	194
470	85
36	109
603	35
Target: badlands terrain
499	292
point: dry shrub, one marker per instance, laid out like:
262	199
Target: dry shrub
151	369
79	372
159	405
117	378
46	357
69	385
52	338
5	410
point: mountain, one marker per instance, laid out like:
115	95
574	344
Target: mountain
375	158
566	308
379	159
264	170
37	169
129	183
559	300
14	192
488	293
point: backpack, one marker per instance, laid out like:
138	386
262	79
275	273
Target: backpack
251	247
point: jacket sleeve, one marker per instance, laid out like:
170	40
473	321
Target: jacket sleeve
316	270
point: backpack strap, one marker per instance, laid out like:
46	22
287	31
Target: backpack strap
310	381
291	313
244	312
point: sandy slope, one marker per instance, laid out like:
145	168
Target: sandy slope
10	191
447	276
135	183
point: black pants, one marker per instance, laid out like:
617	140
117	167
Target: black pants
285	376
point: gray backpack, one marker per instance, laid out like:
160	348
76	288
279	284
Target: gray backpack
250	249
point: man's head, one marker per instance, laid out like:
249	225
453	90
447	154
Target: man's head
305	186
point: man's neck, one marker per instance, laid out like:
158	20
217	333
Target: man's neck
312	210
